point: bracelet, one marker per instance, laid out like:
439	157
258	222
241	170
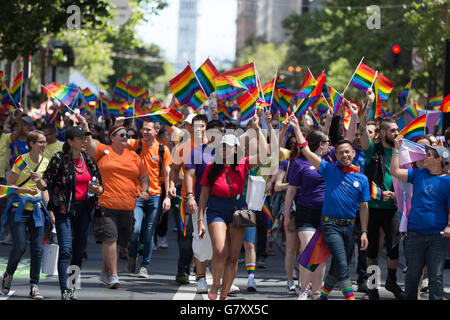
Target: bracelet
189	198
394	153
364	231
199	219
188	193
304	144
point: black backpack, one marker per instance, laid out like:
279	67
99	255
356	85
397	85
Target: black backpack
160	152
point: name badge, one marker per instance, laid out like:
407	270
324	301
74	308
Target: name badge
238	196
312	168
154	158
356	184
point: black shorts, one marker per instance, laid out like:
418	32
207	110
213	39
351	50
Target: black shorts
389	221
117	226
307	219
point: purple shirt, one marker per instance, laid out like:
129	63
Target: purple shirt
200	157
312	185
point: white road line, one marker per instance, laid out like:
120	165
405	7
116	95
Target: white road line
7	296
187	291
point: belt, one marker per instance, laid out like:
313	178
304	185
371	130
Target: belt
339	222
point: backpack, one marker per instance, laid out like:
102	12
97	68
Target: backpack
160	153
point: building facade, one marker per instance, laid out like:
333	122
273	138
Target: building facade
187	34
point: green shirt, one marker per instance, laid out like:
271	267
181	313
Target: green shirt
387	184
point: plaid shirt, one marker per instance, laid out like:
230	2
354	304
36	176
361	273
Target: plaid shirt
60	179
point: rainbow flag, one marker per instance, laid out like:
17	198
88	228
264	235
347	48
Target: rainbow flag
404	94
20	163
283	99
321	106
235	82
415	128
121	89
445	105
315	91
346	118
126	109
101	108
184	85
222	109
197	99
363	78
206	75
412	110
246	74
435	101
88	95
6	191
16	89
376	106
182	217
246	103
169	117
336	99
385	86
375	192
313	118
268	91
134	92
127	78
315	253
267	210
144	98
307	80
62	93
114	107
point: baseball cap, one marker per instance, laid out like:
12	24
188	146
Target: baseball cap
231	140
442	152
190	117
75	131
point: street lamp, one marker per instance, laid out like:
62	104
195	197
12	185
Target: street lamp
294	70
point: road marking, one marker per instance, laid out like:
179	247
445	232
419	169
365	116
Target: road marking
186	291
7	296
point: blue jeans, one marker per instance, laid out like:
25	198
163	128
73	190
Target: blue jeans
20	242
340	240
72	239
144	223
425	250
185	253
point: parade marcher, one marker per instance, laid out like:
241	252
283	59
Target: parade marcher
53	144
122	172
20	145
73	197
428	220
222	187
346	191
26	209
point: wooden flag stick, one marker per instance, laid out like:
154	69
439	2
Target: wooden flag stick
273	88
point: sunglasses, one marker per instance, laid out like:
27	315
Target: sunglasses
122	135
430	155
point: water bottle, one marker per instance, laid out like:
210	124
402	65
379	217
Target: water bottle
94	183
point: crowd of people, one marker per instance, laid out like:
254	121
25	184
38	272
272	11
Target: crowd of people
121	179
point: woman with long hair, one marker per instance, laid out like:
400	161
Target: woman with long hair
222	191
27	209
73	181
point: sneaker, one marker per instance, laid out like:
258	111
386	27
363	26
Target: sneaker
6	283
291	289
251	286
393	287
303	294
162	242
362	287
104	277
234	289
35	294
68	295
143	273
131	266
8	240
424	285
373	294
113	281
202	286
182	278
405	269
261	263
315	296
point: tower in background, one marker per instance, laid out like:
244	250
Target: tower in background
187	34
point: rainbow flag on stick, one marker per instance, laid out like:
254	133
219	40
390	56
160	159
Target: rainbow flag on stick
198	99
206	75
415	128
16	90
62	93
121	89
336	99
363	77
445	105
315	253
246	74
182	217
283	99
385	86
315	91
404	94
184	85
6	191
375	192
412	110
246	103
267	210
435	101
169	117
114	107
20	163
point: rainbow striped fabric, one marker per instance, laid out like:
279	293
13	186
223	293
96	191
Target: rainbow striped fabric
6	191
246	103
121	90
20	163
88	95
315	253
336	99
363	78
206	75
245	73
62	93
375	192
346	118
307	80
184	85
414	129
182	217
283	99
114	107
222	109
267	210
321	106
376	106
127	78
235	82
435	101
385	86
169	116
404	94
126	109
133	92
315	91
16	90
445	105
412	110
197	99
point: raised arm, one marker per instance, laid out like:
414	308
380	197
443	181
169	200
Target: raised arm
91	148
327	125
313	158
263	147
396	171
350	136
365	140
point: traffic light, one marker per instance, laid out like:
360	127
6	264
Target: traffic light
396	52
394	55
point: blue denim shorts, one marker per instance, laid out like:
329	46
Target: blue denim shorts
221	209
250	235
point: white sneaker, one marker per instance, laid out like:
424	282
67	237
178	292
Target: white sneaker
143	273
303	295
251	287
234	289
202	286
113	281
291	288
104	277
162	242
315	296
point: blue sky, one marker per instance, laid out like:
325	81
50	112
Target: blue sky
216	30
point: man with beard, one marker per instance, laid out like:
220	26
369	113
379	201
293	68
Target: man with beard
382	213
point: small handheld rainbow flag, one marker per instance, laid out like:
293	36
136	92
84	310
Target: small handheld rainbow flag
197	99
412	110
415	128
385	86
363	78
336	99
245	73
445	105
20	163
246	103
205	75
375	192
182	217
184	85
315	253
435	101
6	191
168	117
267	210
404	94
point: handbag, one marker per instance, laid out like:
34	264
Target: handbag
242	218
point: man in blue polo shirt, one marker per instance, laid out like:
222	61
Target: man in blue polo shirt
428	219
346	192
